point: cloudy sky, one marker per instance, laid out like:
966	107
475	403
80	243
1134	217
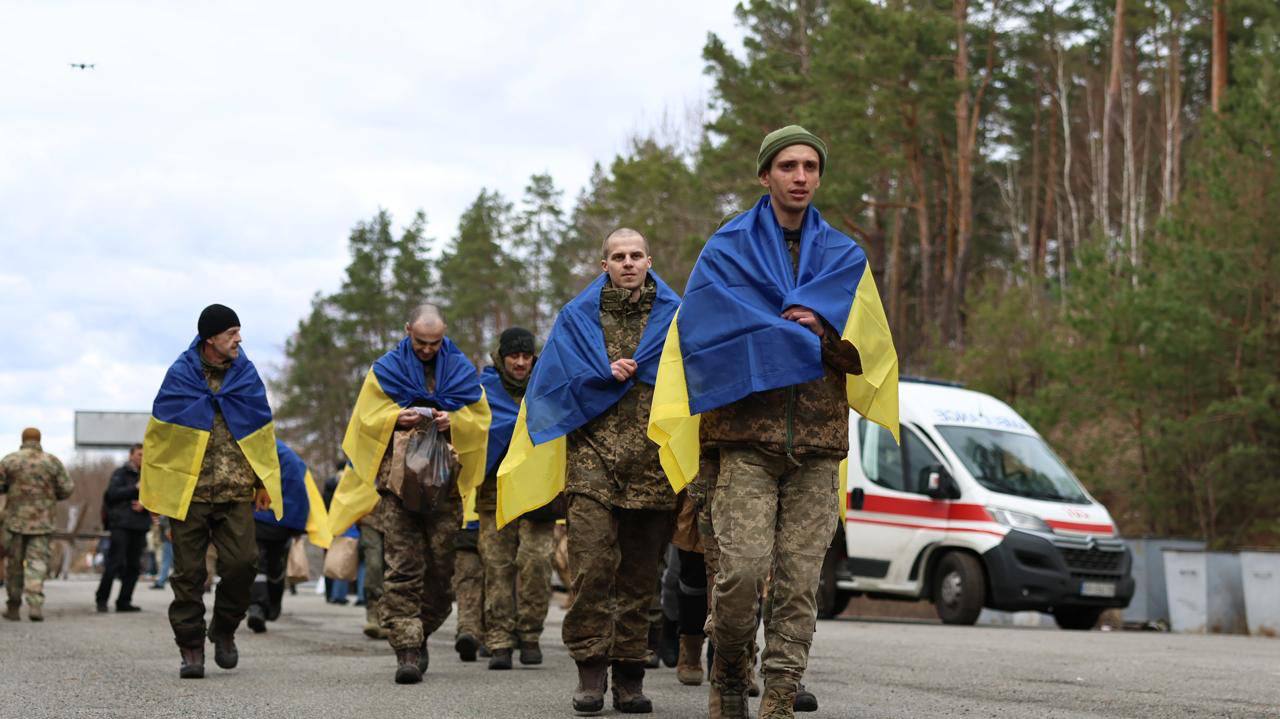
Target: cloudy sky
220	152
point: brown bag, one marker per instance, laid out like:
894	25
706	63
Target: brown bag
342	560
298	569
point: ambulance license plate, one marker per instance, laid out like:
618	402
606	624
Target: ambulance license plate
1097	589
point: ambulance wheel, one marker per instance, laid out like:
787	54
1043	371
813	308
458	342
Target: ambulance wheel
831	601
958	588
1076	617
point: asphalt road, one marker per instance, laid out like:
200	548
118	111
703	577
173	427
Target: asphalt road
314	662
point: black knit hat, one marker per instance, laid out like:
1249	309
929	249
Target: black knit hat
216	319
513	340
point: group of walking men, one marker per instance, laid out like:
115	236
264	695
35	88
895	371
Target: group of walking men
756	351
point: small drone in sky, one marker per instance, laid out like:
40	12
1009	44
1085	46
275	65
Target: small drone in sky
82	65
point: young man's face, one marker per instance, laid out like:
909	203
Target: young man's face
793	177
135	457
226	345
627	261
518	365
426	338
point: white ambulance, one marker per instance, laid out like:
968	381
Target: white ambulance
971	510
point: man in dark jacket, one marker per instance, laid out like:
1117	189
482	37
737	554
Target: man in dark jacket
129	523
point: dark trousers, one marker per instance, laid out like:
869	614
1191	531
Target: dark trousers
229	527
692	593
124	562
273	556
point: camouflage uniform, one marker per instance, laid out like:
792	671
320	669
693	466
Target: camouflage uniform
620	506
468	582
221	516
417	550
517	560
372	554
36	482
776	488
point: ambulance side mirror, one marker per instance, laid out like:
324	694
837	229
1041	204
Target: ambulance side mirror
938	482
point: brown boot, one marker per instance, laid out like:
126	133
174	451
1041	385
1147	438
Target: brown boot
11	611
779	700
225	653
689	664
628	688
593	678
192	662
407	671
371	627
728	698
35	612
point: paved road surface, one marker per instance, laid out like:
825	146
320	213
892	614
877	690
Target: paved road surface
315	663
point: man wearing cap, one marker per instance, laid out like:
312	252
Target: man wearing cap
34	481
768	381
517	558
211	413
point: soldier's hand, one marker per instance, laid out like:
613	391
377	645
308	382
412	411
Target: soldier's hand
806	317
135	505
407	418
442	421
623	369
262	500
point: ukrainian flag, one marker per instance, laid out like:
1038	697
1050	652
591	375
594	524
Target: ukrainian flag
178	433
395	382
730	339
303	505
571	385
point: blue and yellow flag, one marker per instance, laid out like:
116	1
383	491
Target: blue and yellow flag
730	339
571	385
303	505
398	381
178	433
504	410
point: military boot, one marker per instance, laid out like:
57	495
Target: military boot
689	663
225	653
593	679
501	659
466	646
35	612
530	653
628	688
805	699
11	611
372	629
651	660
779	700
728	697
192	662
407	671
257	620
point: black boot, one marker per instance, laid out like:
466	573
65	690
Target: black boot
669	648
225	653
257	620
530	653
628	688
407	671
424	658
501	659
805	700
651	659
593	678
466	646
192	662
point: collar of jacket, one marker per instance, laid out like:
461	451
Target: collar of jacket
33	444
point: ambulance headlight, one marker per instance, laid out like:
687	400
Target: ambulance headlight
1018	520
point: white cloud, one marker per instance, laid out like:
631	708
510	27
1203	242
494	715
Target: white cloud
222	152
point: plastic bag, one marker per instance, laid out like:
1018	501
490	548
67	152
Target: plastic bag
429	467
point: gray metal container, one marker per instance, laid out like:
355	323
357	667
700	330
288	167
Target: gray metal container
1150	603
1206	594
1261	574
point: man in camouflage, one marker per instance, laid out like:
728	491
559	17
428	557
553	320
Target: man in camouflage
371	553
468	589
621	505
778	483
34	482
517	558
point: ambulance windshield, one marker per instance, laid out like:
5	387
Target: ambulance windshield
1013	463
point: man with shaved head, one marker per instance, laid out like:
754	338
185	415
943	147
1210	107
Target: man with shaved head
35	481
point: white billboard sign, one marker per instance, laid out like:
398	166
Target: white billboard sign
109	430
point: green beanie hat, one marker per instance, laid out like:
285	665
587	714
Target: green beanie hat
787	136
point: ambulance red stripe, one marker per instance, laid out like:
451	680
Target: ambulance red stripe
865	520
932	509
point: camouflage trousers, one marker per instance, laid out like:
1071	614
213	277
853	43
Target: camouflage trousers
417	584
468	585
769	517
517	579
27	567
613	554
371	553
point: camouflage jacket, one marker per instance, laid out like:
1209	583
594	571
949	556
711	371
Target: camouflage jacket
37	481
803	419
225	473
487	494
611	458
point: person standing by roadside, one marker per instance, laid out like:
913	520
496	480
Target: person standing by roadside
129	523
209	460
34	481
